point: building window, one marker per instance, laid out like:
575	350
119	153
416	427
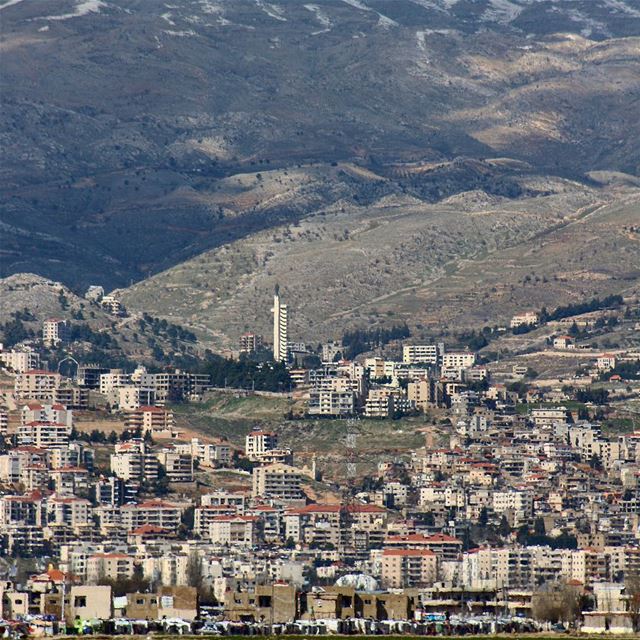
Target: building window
80	601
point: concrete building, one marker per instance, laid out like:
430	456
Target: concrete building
279	482
37	384
280	328
156	421
250	343
526	319
54	331
20	360
258	442
422	353
402	568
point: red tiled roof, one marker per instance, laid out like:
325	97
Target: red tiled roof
408	552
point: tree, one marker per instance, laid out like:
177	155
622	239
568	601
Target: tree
194	571
632	591
559	602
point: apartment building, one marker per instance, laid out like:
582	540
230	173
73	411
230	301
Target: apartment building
37	384
46	412
21	360
132	461
422	353
130	397
458	360
250	343
278	482
178	466
258	442
54	331
331	403
43	435
408	568
158	513
526	319
156	421
235	530
208	454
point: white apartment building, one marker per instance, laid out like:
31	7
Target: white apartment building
238	531
422	353
458	360
115	379
258	442
131	397
43	435
21	360
54	331
331	403
43	412
207	454
526	319
278	481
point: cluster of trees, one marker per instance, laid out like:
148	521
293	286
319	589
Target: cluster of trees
14	331
167	329
595	304
626	370
246	374
534	539
84	333
596	396
361	340
476	340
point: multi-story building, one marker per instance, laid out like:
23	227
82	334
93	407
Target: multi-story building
133	462
112	380
54	331
37	384
278	482
113	306
458	360
20	361
280	328
407	568
208	454
526	319
331	403
258	442
158	513
4	423
250	343
235	530
178	466
130	397
43	435
422	353
156	421
43	412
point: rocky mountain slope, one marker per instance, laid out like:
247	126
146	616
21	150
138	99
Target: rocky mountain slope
135	136
467	261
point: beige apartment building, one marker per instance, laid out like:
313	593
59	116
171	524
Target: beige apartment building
278	481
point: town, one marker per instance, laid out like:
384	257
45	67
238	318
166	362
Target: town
516	507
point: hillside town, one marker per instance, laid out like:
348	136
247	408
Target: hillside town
518	511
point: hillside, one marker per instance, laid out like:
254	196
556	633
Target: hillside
135	138
436	266
97	337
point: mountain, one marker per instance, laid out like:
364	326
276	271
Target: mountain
131	133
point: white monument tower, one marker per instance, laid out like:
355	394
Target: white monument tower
280	345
